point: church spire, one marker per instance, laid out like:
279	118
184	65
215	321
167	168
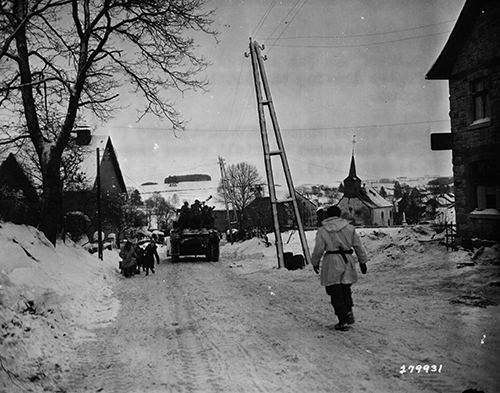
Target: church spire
352	169
352	184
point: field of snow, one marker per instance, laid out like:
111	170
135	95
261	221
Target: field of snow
418	304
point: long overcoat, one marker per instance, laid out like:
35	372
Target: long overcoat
336	233
128	255
150	254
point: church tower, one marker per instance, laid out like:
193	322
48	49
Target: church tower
352	183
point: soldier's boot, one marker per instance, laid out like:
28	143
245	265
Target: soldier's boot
350	318
342	325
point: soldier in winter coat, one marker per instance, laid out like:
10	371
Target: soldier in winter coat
128	253
150	253
336	240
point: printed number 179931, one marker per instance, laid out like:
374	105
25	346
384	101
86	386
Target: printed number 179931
420	368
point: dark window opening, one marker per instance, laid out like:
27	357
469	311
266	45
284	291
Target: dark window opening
480	100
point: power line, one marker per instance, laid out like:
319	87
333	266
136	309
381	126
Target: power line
236	90
360	45
330	168
244	108
284	19
368	34
263	18
288	25
359	126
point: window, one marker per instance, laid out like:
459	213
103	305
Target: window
487	197
485	177
480	101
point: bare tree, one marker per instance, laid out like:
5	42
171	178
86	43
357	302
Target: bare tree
243	180
60	59
122	215
157	205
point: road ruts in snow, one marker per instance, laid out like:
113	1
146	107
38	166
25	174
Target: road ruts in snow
196	326
197	363
99	365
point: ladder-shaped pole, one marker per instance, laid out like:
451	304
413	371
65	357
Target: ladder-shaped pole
267	155
282	154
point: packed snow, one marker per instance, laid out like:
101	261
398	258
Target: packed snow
418	304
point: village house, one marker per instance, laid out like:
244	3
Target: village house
470	61
111	178
19	200
258	214
363	205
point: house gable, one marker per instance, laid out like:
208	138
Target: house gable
14	179
470	61
111	175
13	176
469	36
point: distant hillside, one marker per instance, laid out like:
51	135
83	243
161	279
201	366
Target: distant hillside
185	178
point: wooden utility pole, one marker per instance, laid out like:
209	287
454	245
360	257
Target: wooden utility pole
259	75
224	189
99	214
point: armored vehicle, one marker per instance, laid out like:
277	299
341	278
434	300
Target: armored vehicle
194	242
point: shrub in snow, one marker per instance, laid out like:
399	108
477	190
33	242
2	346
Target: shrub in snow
14	207
76	224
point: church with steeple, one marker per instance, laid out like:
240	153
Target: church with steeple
362	205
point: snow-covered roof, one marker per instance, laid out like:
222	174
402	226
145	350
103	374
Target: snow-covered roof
485	212
370	197
89	163
445	200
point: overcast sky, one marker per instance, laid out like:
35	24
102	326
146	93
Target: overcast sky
336	68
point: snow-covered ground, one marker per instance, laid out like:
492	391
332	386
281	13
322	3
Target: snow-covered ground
49	299
418	304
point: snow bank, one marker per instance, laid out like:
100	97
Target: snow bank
69	273
408	247
50	297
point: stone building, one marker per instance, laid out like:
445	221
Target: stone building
470	61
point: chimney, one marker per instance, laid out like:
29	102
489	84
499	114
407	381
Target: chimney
83	135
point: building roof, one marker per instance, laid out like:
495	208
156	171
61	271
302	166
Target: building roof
89	163
442	67
352	170
14	176
370	197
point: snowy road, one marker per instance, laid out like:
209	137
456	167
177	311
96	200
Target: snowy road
205	327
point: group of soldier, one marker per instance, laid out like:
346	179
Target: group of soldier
134	257
196	216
